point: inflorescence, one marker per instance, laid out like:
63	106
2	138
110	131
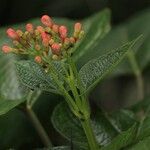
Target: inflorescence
47	42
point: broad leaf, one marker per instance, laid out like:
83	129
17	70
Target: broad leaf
96	27
92	72
123	139
72	128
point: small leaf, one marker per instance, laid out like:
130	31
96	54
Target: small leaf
92	72
33	76
122	140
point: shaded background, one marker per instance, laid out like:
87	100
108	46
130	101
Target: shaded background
13	11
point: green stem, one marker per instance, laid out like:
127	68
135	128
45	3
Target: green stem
38	126
86	124
138	75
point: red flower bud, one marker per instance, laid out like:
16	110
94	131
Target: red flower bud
38	59
55	28
6	49
45	38
29	27
77	27
12	34
63	32
56	48
46	20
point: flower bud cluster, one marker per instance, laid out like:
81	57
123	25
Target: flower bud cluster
47	42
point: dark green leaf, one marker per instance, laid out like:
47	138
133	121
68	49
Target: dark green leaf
92	72
96	27
7	105
72	128
122	140
141	145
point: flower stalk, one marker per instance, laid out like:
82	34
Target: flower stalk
46	45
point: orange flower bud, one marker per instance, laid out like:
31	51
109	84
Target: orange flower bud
12	34
46	20
37	47
55	28
40	29
56	48
51	41
63	32
29	27
66	41
77	27
6	49
38	59
72	40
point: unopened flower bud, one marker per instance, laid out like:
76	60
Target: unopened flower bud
12	34
51	41
56	47
19	32
16	43
38	59
29	28
72	40
66	41
77	27
37	47
55	57
63	32
55	28
40	29
81	34
6	49
46	20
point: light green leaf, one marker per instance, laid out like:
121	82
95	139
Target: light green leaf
122	140
33	76
92	72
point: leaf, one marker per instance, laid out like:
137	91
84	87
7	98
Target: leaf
7	105
141	145
95	27
33	76
121	34
92	72
122	140
61	148
72	128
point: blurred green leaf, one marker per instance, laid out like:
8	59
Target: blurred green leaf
141	145
122	140
7	105
92	72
